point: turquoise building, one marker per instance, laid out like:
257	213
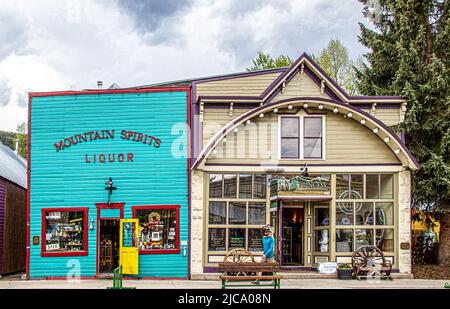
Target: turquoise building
97	157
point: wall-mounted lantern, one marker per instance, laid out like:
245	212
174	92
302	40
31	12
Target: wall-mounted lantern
110	188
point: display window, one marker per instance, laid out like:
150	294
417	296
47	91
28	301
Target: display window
159	228
64	232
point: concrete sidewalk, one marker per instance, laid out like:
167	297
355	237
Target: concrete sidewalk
206	284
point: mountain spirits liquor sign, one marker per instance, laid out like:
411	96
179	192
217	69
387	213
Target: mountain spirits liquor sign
94	135
299	185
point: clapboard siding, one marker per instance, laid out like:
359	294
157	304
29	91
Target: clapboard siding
300	86
241	86
2	218
109	213
63	179
347	142
215	118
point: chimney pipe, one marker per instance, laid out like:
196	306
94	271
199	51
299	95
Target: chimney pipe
17	147
100	84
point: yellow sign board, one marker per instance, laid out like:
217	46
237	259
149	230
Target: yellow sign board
129	250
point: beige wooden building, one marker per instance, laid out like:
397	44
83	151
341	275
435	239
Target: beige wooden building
289	147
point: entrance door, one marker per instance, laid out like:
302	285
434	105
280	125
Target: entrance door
292	236
108	258
129	252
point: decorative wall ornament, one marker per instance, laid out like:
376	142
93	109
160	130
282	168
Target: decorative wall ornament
322	87
403	111
202	110
230	111
283	87
373	109
302	69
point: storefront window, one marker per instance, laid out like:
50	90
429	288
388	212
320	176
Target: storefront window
256	213
344	240
255	239
245	185
322	238
364	217
229	185
65	232
342	186
237	213
321	216
215	185
259	186
158	228
236	238
217	212
216	239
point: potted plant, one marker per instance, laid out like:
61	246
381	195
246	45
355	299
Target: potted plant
344	271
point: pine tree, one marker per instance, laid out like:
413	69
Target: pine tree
409	56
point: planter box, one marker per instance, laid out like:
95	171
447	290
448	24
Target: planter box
345	274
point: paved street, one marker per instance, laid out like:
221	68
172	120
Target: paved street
8	283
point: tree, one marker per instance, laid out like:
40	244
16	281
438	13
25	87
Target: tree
409	56
334	59
265	61
22	137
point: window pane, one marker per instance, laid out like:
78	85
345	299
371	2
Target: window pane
344	213
313	127
342	185
236	238
236	213
322	240
312	148
344	240
229	185
321	216
289	127
64	231
259	186
363	237
384	214
356	184
215	185
245	185
364	213
257	213
255	240
217	212
385	240
157	228
372	186
387	186
216	240
289	148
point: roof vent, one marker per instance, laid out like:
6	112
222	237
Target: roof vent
100	84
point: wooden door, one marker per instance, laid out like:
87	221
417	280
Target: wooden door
129	242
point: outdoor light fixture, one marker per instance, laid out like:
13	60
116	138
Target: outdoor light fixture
363	121
289	106
335	110
261	115
320	106
305	105
249	121
214	151
375	130
397	151
224	140
349	115
236	130
91	224
275	110
110	188
386	139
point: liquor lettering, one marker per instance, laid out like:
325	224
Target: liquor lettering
90	136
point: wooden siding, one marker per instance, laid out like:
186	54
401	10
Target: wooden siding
347	142
109	213
14	239
216	118
300	85
2	218
63	179
241	86
390	117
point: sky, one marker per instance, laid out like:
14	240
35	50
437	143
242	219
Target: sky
53	45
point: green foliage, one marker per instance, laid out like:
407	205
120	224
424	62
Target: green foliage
334	60
344	266
409	56
22	136
265	61
8	139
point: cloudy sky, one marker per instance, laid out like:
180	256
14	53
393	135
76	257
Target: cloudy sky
60	45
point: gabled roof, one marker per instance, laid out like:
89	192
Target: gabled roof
12	167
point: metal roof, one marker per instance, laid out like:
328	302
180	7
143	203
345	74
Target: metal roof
12	167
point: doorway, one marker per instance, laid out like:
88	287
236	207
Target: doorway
292	236
108	257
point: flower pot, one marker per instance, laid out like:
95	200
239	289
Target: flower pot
344	274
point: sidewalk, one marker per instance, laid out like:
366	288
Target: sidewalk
204	284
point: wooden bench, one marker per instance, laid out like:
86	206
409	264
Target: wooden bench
244	272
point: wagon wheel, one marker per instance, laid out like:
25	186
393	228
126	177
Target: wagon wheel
369	258
239	255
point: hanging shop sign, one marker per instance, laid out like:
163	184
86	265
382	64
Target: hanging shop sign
299	185
90	136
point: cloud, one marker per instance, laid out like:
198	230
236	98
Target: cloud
13	32
5	93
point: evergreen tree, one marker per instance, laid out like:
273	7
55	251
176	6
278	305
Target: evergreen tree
409	56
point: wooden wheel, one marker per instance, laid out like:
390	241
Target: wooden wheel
239	255
368	259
